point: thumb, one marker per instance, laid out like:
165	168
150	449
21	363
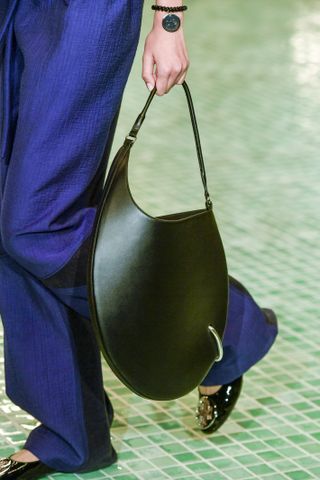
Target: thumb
147	70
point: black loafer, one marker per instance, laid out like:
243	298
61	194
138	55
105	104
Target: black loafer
12	469
213	410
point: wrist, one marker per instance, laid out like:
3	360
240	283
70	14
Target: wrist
158	17
169	3
158	14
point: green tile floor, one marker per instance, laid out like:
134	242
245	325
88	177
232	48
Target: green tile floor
255	81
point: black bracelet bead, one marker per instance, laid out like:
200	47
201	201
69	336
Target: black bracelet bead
163	8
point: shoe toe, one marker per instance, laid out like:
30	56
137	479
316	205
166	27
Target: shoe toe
11	469
213	410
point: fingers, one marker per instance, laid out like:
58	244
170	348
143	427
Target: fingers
147	70
182	77
166	78
186	65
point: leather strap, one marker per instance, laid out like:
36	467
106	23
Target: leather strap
139	120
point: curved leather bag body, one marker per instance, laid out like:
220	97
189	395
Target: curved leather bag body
158	286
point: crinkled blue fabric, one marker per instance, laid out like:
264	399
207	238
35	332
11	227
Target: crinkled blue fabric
63	69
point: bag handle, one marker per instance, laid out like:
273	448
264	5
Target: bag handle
137	124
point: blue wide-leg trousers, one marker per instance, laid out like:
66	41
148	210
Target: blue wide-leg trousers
64	65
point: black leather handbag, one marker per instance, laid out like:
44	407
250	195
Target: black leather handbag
158	286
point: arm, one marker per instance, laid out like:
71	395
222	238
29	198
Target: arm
166	50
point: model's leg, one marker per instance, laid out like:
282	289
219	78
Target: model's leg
250	332
249	335
53	371
76	57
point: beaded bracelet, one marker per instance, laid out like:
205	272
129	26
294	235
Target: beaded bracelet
180	8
